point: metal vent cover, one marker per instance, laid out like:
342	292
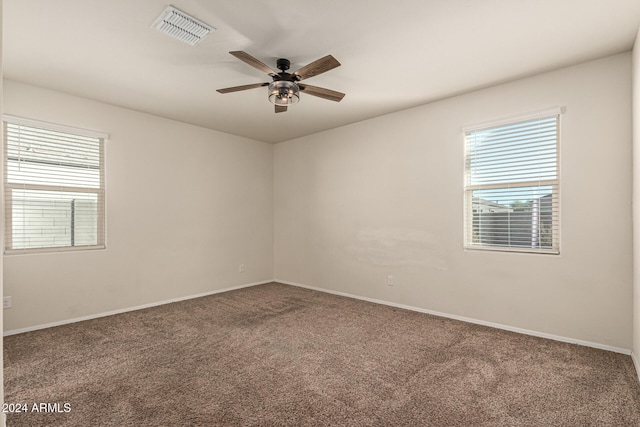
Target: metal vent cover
181	26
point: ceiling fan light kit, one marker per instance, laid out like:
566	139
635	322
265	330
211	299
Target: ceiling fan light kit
284	90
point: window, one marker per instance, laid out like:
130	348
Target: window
53	187
512	184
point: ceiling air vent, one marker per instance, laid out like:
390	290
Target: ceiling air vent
181	26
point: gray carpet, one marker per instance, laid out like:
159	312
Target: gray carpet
276	355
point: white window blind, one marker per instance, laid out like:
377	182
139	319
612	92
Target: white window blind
53	187
512	185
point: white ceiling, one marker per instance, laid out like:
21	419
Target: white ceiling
394	54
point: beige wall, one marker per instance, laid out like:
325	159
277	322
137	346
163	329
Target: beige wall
185	207
636	202
385	197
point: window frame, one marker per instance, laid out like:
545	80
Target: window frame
100	192
468	213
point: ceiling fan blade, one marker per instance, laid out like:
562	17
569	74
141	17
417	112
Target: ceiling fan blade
319	66
245	57
321	92
243	87
281	108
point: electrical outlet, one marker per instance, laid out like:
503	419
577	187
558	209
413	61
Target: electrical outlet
390	281
241	268
6	302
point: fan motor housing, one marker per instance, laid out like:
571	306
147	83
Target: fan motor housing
283	64
283	76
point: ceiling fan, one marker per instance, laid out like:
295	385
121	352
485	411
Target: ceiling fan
285	90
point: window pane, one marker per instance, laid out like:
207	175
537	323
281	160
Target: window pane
504	155
36	156
519	217
53	219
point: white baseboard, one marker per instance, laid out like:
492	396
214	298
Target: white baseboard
470	320
344	294
124	310
636	364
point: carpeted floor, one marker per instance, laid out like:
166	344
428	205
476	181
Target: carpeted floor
276	355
